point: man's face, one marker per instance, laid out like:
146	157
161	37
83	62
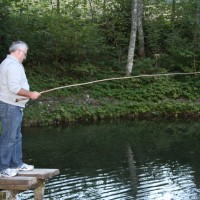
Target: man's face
22	53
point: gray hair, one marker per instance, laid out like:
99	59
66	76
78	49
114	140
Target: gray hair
18	45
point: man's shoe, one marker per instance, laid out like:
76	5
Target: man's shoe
9	172
25	167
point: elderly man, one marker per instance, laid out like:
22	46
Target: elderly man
14	94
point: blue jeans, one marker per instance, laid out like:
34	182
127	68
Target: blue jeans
10	136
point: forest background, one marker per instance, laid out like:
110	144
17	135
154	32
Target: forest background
76	41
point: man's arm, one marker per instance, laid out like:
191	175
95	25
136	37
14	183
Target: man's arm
31	95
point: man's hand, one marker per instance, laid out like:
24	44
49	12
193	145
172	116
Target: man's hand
34	95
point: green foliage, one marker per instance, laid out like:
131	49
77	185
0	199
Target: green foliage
148	97
83	71
172	34
79	42
78	32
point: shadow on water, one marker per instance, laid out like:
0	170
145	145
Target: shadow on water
118	161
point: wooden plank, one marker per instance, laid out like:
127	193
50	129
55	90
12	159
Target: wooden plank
18	183
8	194
40	173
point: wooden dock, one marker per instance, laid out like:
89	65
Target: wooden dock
26	180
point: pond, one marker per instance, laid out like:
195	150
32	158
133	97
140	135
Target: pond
138	160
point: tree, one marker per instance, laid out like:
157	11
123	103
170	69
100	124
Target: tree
141	50
197	34
173	15
131	49
58	6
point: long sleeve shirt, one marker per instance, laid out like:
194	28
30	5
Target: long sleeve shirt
12	79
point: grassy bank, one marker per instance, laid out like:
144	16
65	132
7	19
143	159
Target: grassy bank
174	97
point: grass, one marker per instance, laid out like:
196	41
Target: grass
174	97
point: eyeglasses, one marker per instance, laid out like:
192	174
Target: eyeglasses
25	54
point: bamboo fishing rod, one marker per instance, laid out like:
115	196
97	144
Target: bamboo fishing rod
111	79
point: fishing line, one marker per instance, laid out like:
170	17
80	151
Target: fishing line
111	79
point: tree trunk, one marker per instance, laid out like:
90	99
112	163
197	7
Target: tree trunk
131	49
141	50
91	10
198	25
197	35
173	11
58	6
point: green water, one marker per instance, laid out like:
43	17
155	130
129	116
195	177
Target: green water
120	160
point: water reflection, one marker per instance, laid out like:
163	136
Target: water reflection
132	169
165	182
118	161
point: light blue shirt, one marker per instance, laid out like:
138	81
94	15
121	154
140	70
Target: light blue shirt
12	79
